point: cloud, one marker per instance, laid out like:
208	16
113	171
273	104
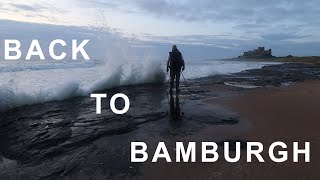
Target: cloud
108	4
25	7
283	36
244	18
193	46
261	11
32	11
36	8
241	25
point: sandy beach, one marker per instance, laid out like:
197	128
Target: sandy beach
286	114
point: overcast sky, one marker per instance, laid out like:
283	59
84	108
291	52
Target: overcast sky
286	26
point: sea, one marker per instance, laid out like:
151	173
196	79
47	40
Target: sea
32	82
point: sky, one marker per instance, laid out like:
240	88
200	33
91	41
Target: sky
225	28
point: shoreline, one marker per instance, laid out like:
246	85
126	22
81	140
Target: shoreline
11	102
261	126
59	139
313	60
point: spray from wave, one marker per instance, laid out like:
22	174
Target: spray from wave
26	83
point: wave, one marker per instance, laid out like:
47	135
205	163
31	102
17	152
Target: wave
32	87
28	66
136	75
9	98
56	83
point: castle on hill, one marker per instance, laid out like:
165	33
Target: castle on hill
258	53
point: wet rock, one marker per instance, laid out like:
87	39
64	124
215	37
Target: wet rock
57	139
34	124
274	75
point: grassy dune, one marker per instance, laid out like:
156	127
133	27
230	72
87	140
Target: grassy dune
307	59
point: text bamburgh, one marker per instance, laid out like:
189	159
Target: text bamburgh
210	152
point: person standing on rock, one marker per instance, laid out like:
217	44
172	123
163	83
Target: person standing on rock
175	64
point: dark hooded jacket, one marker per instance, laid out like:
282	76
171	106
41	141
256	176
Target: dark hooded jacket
175	60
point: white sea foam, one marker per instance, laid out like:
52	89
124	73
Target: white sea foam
36	86
38	83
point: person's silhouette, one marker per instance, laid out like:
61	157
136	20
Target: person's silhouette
175	64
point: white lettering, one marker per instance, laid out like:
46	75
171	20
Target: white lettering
212	151
297	151
51	49
191	151
126	103
76	49
257	152
227	152
8	48
161	147
134	152
284	154
98	100
35	50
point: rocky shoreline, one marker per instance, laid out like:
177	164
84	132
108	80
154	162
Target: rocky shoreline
68	140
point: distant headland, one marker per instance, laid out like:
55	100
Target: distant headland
259	53
262	54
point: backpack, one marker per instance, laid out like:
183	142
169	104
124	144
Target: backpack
175	60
